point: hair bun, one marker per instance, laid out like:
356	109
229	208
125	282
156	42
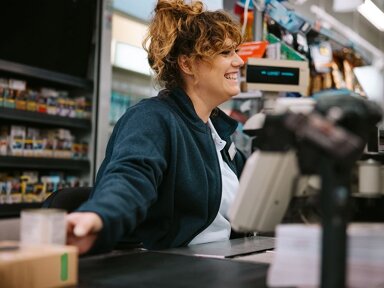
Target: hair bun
180	7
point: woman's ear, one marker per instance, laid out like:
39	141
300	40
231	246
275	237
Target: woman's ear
185	64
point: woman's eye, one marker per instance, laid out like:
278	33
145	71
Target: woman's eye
229	52
226	52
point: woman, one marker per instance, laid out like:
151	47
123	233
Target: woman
170	170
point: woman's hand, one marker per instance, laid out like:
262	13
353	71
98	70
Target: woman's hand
82	228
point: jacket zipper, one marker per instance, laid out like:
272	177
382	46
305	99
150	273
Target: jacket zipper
220	192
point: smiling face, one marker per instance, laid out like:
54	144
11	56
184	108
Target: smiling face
216	80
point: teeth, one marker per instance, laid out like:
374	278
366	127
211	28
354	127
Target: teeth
232	76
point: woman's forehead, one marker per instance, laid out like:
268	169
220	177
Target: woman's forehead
230	43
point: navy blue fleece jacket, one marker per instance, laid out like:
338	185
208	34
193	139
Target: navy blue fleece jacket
160	181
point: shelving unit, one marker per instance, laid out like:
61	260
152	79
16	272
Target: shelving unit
22	117
15	166
22	162
52	77
15	115
74	72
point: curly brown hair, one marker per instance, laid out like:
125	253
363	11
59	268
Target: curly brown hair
181	29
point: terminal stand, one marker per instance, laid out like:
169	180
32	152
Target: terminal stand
334	201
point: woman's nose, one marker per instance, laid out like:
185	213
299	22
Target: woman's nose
238	61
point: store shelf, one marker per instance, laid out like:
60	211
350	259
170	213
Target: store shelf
46	75
41	118
13	210
10	162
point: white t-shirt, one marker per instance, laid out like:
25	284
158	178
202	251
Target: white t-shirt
220	228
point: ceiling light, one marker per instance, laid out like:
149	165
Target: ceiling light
373	14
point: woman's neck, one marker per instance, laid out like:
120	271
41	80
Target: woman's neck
202	107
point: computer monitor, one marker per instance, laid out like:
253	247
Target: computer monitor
266	183
277	75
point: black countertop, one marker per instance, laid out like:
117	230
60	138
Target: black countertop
158	269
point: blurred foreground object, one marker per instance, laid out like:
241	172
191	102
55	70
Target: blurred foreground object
327	142
38	266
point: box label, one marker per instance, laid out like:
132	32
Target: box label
64	267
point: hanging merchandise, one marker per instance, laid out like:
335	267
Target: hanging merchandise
347	59
246	19
301	43
282	50
342	68
348	74
321	55
244	9
247	9
288	19
242	3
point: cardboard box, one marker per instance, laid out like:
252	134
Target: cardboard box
37	266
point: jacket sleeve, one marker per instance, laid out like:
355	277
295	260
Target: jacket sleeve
132	170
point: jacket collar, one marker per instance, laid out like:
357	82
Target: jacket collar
225	125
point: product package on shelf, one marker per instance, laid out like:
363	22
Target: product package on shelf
5	189
34	186
3	90
80	104
20	100
17	140
64	141
4	139
63	107
29	189
29	144
49	143
16	90
79	150
50	96
32	97
34	142
15	94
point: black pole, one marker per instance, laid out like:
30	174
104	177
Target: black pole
334	201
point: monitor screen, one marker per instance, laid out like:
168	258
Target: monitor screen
273	75
54	35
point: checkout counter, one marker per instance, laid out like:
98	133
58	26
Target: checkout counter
219	264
